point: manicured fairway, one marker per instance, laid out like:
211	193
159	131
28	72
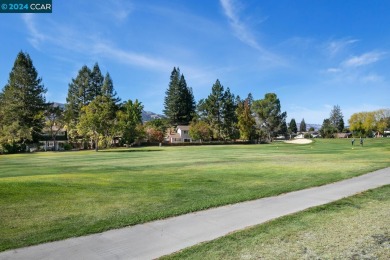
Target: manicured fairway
353	228
51	196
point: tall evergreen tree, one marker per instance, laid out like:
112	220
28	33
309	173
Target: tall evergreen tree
171	101
293	126
283	128
96	82
79	94
213	106
229	125
179	103
302	126
108	89
246	122
336	118
22	103
187	102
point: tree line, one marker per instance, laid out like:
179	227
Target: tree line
94	116
222	115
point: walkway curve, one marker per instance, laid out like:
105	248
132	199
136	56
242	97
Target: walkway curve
162	237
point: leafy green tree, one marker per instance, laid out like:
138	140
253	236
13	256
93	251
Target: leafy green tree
328	130
246	121
22	104
293	126
336	118
130	117
97	119
200	130
179	103
269	114
364	123
302	126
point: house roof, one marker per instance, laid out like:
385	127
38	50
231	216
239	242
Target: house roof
183	127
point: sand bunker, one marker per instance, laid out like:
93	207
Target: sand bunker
299	141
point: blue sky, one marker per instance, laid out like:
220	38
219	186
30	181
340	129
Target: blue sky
312	54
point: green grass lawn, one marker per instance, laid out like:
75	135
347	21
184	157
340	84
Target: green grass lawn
353	228
51	196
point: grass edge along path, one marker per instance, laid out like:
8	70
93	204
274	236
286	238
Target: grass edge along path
356	227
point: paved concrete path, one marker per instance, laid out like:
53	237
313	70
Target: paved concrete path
158	238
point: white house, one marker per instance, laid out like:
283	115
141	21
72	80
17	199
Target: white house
182	135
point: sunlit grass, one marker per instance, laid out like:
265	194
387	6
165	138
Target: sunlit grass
51	196
353	228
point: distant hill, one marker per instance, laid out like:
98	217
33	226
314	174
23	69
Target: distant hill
148	116
315	126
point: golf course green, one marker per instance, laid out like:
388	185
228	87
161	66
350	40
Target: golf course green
55	195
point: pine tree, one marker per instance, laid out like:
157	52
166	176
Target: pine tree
171	102
22	103
96	82
213	106
179	103
186	102
302	126
336	118
108	89
79	95
246	122
229	125
293	126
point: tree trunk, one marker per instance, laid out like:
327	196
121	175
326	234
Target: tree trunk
97	143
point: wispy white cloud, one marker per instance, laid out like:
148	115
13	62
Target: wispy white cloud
348	67
109	51
244	33
333	70
118	9
92	45
336	46
240	29
364	59
36	37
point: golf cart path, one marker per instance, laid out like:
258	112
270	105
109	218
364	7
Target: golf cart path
154	239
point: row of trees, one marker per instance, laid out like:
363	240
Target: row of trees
367	123
94	114
222	115
333	124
